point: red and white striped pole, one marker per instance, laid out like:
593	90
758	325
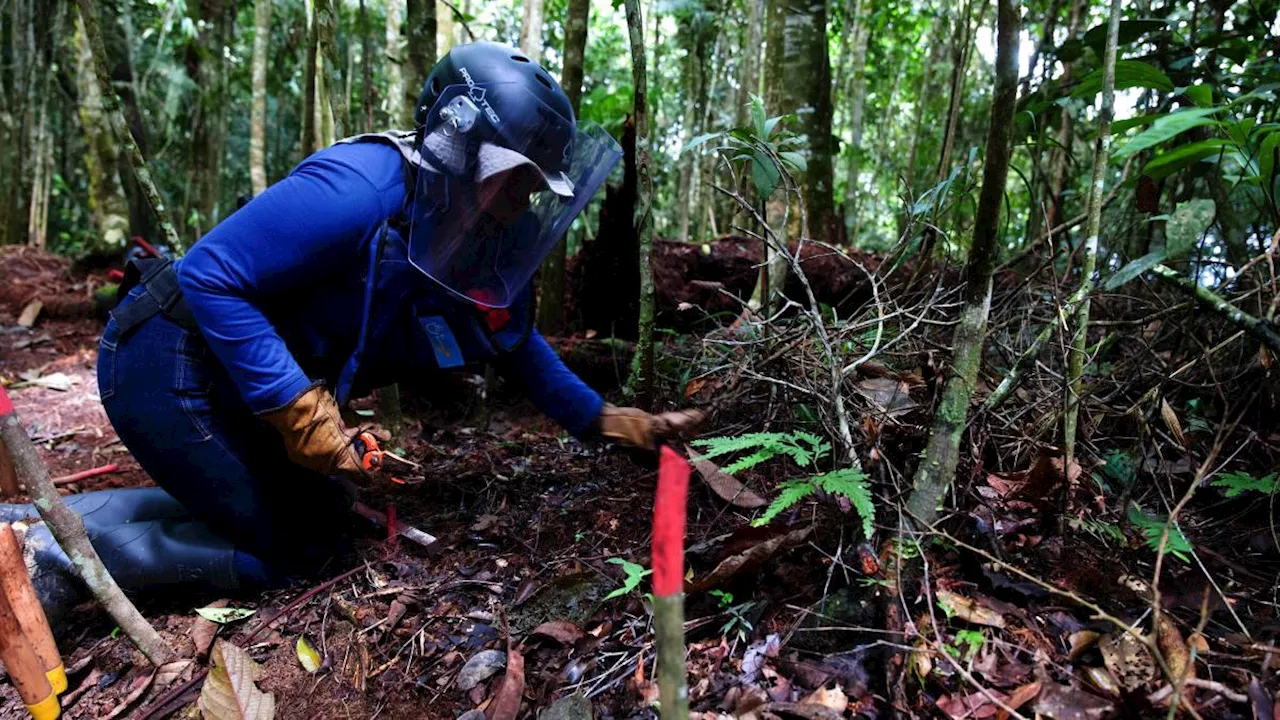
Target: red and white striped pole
669	514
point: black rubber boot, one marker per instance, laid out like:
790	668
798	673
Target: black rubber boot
146	540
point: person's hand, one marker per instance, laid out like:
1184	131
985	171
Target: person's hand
314	435
636	428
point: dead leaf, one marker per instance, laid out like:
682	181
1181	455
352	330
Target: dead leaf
229	692
1070	702
1081	641
892	395
569	707
1101	680
1176	654
753	658
88	683
1022	696
485	523
832	698
203	631
921	660
562	631
506	702
56	381
973	705
1171	421
1260	699
224	615
1198	643
806	712
136	689
30	313
1128	660
307	655
750	559
480	667
970	610
171	671
726	486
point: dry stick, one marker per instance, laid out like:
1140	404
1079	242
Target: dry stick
8	475
68	530
1257	327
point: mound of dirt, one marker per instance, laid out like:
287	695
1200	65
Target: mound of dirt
33	274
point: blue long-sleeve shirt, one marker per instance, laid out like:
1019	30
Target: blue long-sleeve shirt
278	289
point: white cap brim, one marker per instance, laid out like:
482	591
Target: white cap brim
493	159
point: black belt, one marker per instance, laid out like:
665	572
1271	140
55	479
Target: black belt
163	295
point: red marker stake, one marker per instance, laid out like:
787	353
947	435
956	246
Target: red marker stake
669	510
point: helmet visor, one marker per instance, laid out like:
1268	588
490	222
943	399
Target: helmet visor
502	195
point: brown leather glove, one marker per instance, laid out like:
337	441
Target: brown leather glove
314	435
637	428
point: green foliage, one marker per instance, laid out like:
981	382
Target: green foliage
765	149
1129	74
805	449
634	574
966	645
1166	128
1108	533
1152	529
1237	483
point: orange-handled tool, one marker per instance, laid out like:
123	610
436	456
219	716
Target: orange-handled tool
21	594
25	670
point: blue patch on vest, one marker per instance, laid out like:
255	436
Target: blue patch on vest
443	344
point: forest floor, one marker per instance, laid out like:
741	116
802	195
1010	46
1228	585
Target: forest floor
795	619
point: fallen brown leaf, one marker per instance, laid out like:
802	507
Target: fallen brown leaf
974	705
1081	641
726	486
562	631
29	313
480	667
203	631
229	691
971	610
1171	421
1070	702
506	701
831	698
1176	654
1128	660
136	689
806	712
171	671
750	559
1021	696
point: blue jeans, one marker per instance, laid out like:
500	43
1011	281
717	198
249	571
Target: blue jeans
178	412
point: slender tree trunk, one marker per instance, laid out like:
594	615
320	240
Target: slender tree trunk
258	117
107	203
111	106
531	30
1059	155
420	27
799	79
24	60
42	139
399	115
206	67
551	319
961	43
327	19
753	38
366	67
857	94
309	130
932	59
1101	155
938	466
118	44
640	382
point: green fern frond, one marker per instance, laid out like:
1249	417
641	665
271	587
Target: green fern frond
789	493
750	461
717	446
852	484
1152	528
1238	483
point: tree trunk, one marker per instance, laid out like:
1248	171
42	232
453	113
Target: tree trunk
111	106
551	319
42	139
961	49
1101	155
857	94
531	30
749	82
799	78
399	114
420	27
327	20
309	130
21	49
932	60
366	68
444	28
938	466
107	203
206	66
258	113
1059	155
116	40
640	383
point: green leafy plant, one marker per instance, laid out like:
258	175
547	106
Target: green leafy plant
765	147
1238	483
1152	529
634	574
806	450
724	598
966	645
1107	532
